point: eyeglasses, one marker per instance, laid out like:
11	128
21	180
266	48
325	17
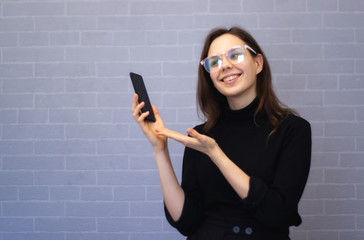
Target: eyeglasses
234	55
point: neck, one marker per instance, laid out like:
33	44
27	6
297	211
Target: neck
236	103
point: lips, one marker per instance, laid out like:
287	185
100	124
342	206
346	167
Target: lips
230	77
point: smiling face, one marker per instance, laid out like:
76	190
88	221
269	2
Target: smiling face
235	81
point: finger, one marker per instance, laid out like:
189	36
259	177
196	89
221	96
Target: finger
142	116
135	102
137	110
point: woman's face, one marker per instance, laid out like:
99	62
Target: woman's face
235	81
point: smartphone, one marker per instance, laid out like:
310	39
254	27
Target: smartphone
139	88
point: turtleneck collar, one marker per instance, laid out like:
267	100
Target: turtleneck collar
244	114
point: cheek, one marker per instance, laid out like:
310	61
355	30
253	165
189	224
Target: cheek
215	76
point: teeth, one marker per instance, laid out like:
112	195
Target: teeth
230	78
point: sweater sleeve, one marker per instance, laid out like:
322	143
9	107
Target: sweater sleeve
275	203
192	212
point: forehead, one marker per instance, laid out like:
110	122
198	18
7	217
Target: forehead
223	43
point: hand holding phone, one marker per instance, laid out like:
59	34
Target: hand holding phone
139	88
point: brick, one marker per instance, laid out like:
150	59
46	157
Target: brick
65	23
98	54
9	224
290	82
335	222
351	82
162	38
322	66
258	6
146	209
129	224
179	100
64	178
16	178
96	116
96	38
34	39
16	147
353	235
97	8
8	116
130	38
344	207
343	51
65	224
96	162
329	191
33	55
352	160
65	100
135	193
8	193
325	159
64	69
33	132
154	193
321	235
359	35
360	191
34	209
64	38
33	163
142	162
33	116
8	39
344	97
33	9
16	70
160	7
64	116
130	23
95	131
114	70
343	20
33	193
229	6
323	35
64	193
96	209
299	98
333	144
33	85
97	236
17	24
82	85
343	176
276	36
344	129
290	6
146	177
321	5
116	99
311	207
160	53
290	20
351	5
211	21
359	113
322	82
33	236
96	194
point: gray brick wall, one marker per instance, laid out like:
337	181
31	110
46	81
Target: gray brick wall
74	165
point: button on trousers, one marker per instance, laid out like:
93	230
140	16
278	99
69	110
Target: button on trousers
220	228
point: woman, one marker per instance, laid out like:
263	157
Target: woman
245	168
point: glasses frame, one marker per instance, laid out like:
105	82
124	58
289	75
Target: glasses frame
245	46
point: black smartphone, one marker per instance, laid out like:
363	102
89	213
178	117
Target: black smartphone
139	88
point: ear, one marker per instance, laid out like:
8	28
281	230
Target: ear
259	63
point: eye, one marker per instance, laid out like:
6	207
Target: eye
214	61
236	54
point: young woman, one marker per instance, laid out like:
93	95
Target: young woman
245	168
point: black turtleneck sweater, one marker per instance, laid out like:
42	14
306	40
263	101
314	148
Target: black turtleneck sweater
278	166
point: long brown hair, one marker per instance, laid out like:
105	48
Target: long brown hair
211	101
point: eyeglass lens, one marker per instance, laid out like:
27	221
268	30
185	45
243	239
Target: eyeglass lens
234	55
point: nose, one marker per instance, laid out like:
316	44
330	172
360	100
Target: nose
226	64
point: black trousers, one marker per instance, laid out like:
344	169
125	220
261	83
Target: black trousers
221	228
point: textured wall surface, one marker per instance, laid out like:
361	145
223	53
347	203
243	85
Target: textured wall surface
73	163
